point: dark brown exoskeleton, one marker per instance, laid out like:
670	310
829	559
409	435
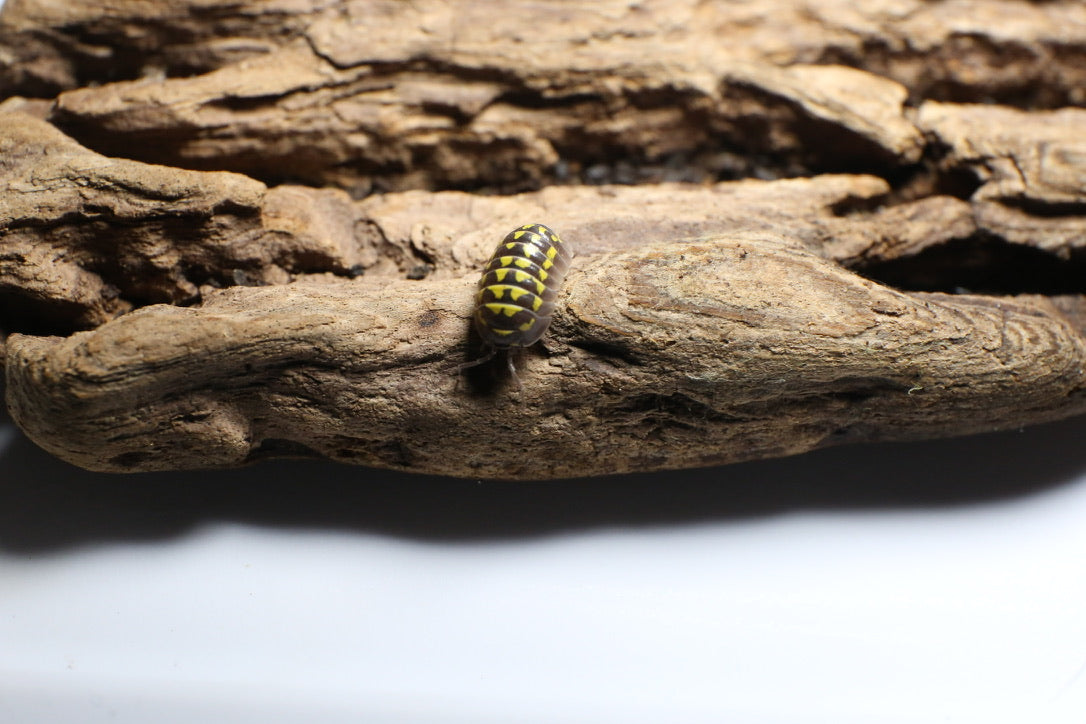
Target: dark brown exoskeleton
515	300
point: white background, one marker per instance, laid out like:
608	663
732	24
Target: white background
928	582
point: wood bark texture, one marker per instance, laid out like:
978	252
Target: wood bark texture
231	232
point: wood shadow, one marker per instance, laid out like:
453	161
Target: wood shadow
46	504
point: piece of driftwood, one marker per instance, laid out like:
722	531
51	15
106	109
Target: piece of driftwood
88	237
1011	51
480	95
710	351
200	313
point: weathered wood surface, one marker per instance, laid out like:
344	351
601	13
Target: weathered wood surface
395	95
1012	51
200	313
711	351
88	237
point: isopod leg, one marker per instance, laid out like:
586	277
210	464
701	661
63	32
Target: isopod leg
475	363
513	370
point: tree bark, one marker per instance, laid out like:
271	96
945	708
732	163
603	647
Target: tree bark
197	269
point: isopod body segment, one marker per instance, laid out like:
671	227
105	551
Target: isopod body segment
515	298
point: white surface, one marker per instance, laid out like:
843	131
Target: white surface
935	582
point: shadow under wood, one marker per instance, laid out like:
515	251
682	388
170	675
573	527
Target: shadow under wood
47	505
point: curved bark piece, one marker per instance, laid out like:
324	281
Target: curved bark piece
1034	159
455	232
55	46
513	125
1029	167
84	238
1012	51
673	355
393	96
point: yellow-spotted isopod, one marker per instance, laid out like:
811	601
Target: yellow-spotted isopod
515	297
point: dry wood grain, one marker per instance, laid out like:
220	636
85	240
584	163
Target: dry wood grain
387	96
1009	51
243	230
84	238
724	349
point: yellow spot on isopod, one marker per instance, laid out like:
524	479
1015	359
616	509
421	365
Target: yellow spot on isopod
543	275
507	309
526	326
535	304
499	274
548	264
552	252
502	332
496	291
522	263
520	233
